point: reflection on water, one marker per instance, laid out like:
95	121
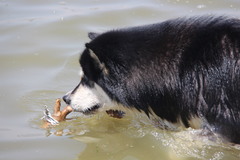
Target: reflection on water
131	138
39	49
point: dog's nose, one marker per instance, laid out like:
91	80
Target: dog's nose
66	99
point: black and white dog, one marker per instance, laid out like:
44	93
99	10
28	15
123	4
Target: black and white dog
184	71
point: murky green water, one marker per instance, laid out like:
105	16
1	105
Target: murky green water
40	42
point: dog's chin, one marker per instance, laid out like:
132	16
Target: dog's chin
88	111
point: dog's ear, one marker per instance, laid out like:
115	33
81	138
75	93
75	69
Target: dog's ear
97	62
93	35
92	65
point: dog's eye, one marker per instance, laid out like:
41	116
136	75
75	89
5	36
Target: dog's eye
85	81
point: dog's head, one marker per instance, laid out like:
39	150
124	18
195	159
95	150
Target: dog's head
88	96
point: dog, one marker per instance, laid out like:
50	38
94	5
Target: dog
180	72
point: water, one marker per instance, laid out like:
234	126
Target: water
39	48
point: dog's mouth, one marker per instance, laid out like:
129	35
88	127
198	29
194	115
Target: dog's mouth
89	111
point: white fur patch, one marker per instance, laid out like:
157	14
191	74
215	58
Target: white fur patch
84	98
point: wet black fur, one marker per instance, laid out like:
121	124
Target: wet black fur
179	68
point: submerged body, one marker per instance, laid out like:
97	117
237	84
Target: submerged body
182	71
